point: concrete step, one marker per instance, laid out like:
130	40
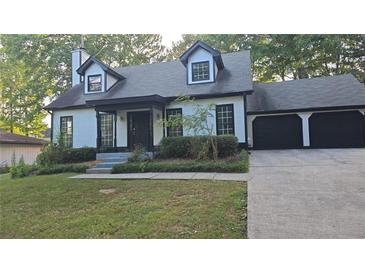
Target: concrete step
109	164
99	170
101	156
113	160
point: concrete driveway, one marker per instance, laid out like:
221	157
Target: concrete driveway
314	193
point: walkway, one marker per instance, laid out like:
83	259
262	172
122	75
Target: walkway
242	177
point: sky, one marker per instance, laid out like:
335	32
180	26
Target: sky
168	38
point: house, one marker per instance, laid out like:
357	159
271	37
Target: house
114	109
14	145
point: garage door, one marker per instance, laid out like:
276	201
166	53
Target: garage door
282	131
337	129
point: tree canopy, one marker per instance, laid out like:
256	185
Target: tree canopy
36	68
280	57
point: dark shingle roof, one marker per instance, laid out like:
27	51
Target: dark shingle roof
10	138
167	79
323	92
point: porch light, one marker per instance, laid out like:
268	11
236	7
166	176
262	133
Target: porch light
121	117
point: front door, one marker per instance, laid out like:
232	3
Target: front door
139	129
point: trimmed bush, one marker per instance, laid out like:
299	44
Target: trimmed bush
78	168
237	163
191	146
52	154
20	171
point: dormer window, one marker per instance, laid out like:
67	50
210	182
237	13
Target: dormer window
200	71
94	83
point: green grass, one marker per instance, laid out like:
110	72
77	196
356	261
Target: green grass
53	206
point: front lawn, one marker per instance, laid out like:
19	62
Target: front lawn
53	206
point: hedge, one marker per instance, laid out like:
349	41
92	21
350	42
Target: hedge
191	146
240	165
51	155
28	170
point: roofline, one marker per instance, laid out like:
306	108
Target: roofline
216	53
137	99
23	143
67	107
305	109
217	95
86	64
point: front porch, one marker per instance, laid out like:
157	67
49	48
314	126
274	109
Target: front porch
123	125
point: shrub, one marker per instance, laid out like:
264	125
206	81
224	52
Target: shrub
197	147
53	154
239	164
4	169
138	154
21	169
78	168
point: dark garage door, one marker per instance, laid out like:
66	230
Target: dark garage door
336	129
282	131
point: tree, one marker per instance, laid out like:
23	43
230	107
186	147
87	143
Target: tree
37	68
284	57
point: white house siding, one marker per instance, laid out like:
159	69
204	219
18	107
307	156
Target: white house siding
84	126
122	130
201	55
305	123
110	81
238	108
29	153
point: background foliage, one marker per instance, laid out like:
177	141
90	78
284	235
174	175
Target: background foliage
34	69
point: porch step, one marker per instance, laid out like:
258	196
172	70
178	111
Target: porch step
112	155
108	164
99	170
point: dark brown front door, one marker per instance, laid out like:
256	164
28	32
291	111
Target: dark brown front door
139	129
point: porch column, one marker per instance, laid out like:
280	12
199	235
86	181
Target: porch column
250	119
98	131
305	128
163	119
115	128
151	128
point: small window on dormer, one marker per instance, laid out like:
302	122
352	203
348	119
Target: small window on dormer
200	71
94	83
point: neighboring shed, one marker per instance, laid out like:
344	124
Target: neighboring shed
18	145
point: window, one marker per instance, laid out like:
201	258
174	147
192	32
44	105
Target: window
66	129
106	128
200	71
225	120
94	83
174	131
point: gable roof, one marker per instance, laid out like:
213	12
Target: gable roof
166	79
322	92
10	138
199	44
81	70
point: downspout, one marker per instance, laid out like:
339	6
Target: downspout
51	113
151	130
245	119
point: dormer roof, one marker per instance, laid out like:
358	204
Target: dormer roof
91	60
199	44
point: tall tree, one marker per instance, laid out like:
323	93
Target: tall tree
36	68
285	57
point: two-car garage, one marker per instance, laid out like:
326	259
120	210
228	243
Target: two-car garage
319	112
326	130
